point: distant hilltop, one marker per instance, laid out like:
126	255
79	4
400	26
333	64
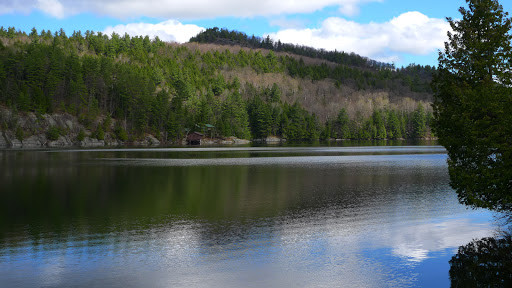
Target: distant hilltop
235	38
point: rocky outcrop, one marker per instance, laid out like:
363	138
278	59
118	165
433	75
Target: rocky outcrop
234	140
274	139
11	140
221	141
92	142
148	141
34	141
241	141
153	141
3	141
270	140
62	141
113	142
30	130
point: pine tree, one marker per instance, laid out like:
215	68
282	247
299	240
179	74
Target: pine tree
342	125
473	105
379	124
394	130
419	122
33	35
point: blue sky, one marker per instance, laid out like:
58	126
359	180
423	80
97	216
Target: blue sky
399	31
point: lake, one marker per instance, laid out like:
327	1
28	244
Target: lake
369	216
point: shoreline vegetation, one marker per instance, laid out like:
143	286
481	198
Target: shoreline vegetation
63	130
91	89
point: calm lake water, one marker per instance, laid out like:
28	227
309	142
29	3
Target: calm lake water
231	217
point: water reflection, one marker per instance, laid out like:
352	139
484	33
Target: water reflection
417	243
352	217
483	263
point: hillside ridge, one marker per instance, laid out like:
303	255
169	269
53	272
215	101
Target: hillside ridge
167	90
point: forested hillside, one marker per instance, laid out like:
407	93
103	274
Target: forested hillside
235	38
146	86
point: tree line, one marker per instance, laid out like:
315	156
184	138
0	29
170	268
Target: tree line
168	90
368	73
224	36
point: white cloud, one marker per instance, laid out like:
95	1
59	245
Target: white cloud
417	242
411	33
170	30
191	9
22	6
51	7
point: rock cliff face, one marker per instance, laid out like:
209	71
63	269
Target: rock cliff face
3	141
29	130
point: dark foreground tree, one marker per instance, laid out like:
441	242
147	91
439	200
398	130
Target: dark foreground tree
473	105
483	263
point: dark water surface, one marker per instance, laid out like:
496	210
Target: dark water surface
231	217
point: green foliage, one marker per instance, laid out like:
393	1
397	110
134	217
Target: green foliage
379	123
341	126
374	74
234	119
100	134
81	135
394	125
155	88
382	124
223	36
106	123
420	122
121	133
53	133
275	94
298	124
261	118
219	84
23	101
20	134
473	105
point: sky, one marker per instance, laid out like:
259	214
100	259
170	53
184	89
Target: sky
393	31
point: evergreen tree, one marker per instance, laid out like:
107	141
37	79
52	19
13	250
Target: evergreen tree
23	101
275	94
393	126
379	123
206	109
342	125
327	131
33	35
419	122
473	105
159	110
219	84
235	118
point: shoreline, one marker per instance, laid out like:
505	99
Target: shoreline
29	130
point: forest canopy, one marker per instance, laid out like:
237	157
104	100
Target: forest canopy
169	89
